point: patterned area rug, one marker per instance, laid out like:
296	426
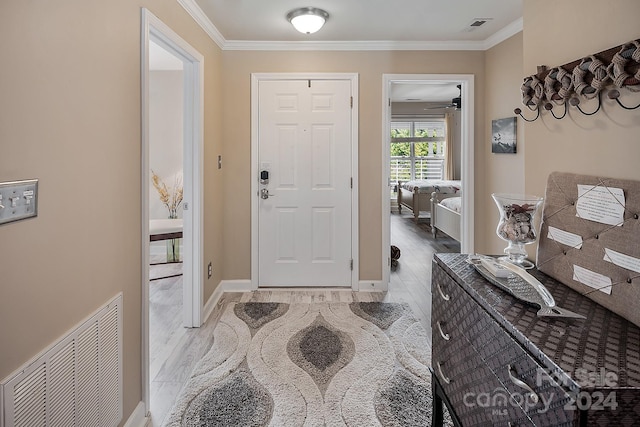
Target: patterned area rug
333	364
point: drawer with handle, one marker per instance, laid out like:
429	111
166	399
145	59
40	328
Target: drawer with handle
478	396
527	382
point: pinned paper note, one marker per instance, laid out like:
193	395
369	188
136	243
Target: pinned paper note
622	260
565	237
601	204
592	279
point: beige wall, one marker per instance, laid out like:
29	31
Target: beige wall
370	66
605	144
70	116
501	173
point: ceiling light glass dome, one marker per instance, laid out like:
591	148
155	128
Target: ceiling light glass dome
307	20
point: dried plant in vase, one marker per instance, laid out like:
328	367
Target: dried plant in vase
171	199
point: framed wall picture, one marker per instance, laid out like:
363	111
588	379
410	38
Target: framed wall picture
503	139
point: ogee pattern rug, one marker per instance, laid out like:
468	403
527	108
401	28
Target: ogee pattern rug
322	364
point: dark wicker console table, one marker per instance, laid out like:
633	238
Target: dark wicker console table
496	363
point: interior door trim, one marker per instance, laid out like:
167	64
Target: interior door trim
255	80
152	28
467	161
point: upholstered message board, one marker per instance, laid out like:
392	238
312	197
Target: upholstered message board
590	239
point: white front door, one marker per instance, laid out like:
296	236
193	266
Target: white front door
305	212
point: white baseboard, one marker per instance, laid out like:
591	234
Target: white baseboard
236	286
224	286
212	302
246	286
372	286
138	417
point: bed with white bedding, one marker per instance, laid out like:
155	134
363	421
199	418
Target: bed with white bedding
446	214
416	195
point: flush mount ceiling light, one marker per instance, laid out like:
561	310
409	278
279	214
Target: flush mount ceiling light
307	20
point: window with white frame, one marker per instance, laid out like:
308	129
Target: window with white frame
417	150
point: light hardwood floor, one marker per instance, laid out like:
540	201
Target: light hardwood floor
175	350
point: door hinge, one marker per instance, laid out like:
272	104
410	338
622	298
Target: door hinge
389	102
309	82
351	265
351	184
352	102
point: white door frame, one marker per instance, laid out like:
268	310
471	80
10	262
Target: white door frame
255	80
154	29
467	159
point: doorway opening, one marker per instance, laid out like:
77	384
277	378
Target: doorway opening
171	161
428	124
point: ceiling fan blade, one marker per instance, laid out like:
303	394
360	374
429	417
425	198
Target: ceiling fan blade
456	103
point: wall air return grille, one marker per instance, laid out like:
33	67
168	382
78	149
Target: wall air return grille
77	382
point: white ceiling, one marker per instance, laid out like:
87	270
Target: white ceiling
364	25
441	93
413	22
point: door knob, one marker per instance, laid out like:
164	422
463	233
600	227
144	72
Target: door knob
264	194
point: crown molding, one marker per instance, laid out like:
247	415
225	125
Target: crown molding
501	35
351	45
203	20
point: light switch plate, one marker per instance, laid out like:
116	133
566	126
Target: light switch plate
18	200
